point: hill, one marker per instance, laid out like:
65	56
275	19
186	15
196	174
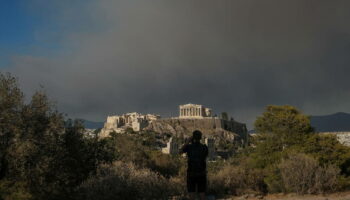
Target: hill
338	122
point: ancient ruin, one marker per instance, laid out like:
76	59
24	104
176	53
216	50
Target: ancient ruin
211	148
197	117
119	123
172	147
193	111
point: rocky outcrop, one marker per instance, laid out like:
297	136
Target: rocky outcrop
210	127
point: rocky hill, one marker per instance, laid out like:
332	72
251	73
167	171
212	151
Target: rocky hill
213	127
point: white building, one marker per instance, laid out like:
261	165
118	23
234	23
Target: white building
193	111
119	123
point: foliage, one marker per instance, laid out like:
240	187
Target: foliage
302	174
285	120
236	180
137	149
327	150
126	181
42	155
285	132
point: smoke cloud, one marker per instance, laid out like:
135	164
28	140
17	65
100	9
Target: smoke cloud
150	56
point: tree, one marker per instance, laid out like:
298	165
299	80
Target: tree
11	103
285	124
42	156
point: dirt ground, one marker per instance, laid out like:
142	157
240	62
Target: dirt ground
335	196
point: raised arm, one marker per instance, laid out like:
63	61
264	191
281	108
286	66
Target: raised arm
184	147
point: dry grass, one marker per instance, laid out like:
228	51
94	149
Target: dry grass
126	181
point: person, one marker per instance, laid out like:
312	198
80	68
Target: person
196	165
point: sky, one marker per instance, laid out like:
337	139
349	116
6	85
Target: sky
103	57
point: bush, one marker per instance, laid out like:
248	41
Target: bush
273	179
236	180
167	165
126	181
14	191
302	174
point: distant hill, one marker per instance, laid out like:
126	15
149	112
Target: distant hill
92	125
337	122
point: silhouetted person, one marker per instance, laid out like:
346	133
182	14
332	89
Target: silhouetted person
196	165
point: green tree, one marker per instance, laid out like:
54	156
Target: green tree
11	103
42	156
285	125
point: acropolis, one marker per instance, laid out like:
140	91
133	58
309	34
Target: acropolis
191	117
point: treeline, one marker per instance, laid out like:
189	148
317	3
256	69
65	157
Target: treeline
45	156
285	156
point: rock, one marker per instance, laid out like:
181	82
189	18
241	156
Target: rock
232	131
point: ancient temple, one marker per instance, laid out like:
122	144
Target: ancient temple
193	111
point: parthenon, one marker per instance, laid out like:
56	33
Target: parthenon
194	111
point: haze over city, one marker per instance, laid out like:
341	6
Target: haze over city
96	58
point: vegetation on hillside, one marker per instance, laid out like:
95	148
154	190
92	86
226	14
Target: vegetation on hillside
45	156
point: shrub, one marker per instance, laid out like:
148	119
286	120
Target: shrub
167	165
302	174
237	180
126	181
273	179
14	191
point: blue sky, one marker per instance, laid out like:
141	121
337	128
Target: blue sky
17	30
32	27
